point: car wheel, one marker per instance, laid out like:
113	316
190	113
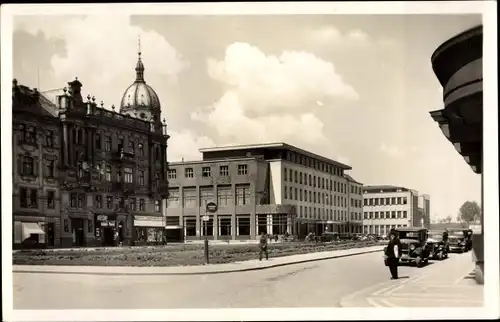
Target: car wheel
418	261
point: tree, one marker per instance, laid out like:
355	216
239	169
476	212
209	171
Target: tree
448	219
469	212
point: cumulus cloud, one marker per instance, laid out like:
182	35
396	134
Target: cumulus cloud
392	151
271	98
185	145
110	41
332	37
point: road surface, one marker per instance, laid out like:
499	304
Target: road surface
314	284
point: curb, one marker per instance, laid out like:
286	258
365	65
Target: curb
197	273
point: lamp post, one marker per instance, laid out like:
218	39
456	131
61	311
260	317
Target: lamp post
211	207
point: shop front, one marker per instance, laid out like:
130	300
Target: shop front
29	232
149	230
109	231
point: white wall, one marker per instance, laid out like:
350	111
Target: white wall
276	186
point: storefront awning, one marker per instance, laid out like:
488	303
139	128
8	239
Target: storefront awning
29	228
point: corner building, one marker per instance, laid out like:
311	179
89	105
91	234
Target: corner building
387	207
272	188
35	158
111	168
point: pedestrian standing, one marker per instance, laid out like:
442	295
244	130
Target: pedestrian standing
393	254
263	246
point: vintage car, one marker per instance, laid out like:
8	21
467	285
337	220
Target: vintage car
437	245
457	241
468	238
328	236
414	245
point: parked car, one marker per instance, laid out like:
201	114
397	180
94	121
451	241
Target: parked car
414	245
457	241
437	245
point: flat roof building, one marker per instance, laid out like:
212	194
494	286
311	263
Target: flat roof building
386	207
273	188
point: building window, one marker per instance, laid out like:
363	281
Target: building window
399	214
157	206
142	178
98	202
172	173
107	143
51	199
129	176
242	225
206	195
225	226
224	196
73	200
108	173
142	205
131	147
50	168
224	171
404	214
173	198
30	136
242	169
157	179
393	214
399	201
405	200
119	174
261	224
81	201
205	172
242	195
141	149
190	226
286	193
132	204
28	168
189	173
300	178
120	144
285	178
49	139
98	141
109	202
208	227
28	198
189	198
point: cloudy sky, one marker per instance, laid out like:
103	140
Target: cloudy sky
354	88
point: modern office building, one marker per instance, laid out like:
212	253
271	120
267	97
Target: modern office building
355	207
272	188
424	208
85	175
458	65
386	207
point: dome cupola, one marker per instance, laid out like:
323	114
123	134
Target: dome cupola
140	100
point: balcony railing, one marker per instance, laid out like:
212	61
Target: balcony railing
124	187
124	156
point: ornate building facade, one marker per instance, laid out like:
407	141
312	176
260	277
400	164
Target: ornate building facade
111	167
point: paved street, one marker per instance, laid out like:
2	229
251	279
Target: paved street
314	284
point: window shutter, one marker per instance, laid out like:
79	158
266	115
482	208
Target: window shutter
20	165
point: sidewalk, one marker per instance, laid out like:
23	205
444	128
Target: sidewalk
442	284
198	269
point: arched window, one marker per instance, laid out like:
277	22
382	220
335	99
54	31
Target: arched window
108	173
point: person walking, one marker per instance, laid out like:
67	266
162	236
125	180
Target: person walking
393	254
263	246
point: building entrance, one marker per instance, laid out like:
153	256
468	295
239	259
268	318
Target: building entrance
108	236
77	232
51	234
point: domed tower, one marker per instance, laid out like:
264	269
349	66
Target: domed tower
139	99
